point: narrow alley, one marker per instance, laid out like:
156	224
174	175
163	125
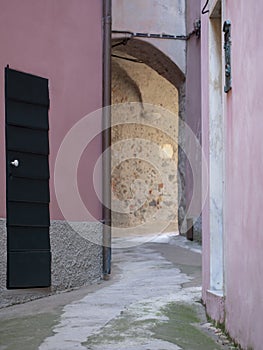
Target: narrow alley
151	302
131	161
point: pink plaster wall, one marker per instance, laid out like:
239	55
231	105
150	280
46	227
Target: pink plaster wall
61	41
193	103
244	174
205	147
216	306
243	204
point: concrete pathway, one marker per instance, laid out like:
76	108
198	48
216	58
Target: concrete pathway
151	302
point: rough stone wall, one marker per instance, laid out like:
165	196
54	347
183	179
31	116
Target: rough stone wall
170	58
76	260
154	58
144	157
76	256
181	165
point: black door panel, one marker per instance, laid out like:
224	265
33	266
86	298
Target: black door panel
27	140
28	190
27	180
27	115
28	238
31	166
27	88
27	214
37	262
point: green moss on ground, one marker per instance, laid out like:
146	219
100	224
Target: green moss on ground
26	333
182	328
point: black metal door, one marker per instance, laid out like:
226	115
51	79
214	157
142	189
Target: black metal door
27	180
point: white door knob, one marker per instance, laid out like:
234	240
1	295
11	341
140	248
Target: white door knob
15	163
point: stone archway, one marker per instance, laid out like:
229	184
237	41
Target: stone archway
154	58
168	71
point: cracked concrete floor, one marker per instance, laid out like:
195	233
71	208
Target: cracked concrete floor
151	302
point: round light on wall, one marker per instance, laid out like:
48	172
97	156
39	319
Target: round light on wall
167	151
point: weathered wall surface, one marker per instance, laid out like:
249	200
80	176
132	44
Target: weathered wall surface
193	116
244	169
205	147
179	62
61	42
154	16
71	265
144	187
243	240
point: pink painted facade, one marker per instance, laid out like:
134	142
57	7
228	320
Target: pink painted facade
205	147
193	106
60	41
243	170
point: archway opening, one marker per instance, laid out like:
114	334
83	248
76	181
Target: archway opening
147	186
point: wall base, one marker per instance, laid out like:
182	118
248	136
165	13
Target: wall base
215	305
76	260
